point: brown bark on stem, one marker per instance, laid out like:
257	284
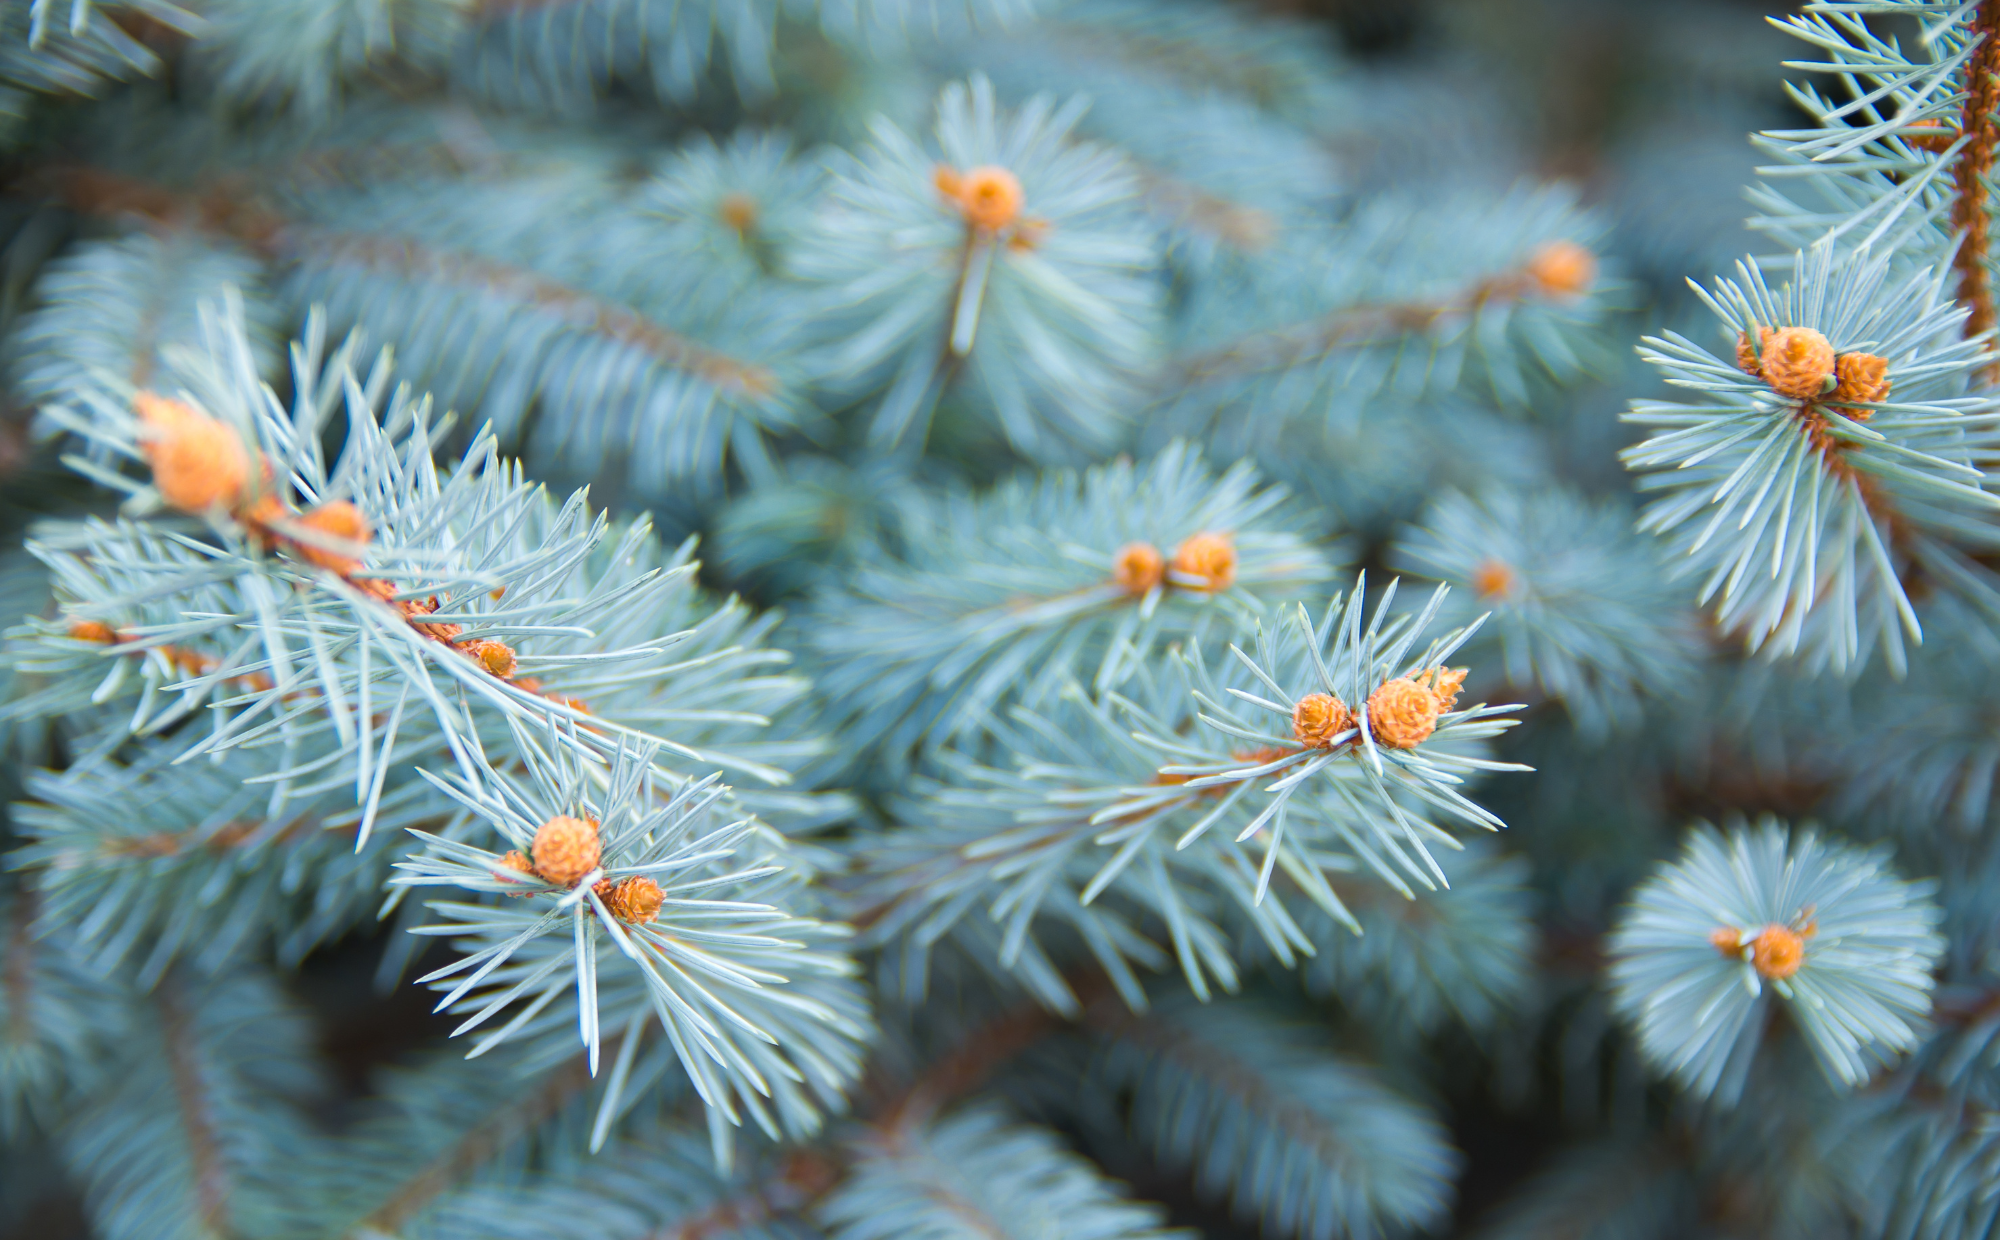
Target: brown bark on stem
1969	211
495	1133
204	1149
227	211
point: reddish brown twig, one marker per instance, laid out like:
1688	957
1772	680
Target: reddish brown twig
228	210
17	977
204	1150
473	1150
1969	208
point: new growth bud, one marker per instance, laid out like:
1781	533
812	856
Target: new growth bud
566	849
198	462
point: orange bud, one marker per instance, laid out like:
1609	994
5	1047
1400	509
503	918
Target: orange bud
635	900
1318	718
94	631
990	197
566	849
1562	269
1402	713
1138	567
496	657
1797	362
198	463
1208	557
1777	952
1860	376
337	520
739	212
1445	682
1933	136
1493	579
1747	359
516	861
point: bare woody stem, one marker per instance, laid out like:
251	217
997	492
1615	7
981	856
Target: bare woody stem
1969	210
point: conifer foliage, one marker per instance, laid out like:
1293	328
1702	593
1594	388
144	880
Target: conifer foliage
972	618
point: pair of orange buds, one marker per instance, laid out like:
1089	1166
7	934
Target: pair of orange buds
1799	362
567	848
1402	713
201	465
1776	952
1208	557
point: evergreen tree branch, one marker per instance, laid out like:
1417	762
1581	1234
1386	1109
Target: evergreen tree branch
1244	227
973	1176
802	1182
1312	1144
972	1061
211	1176
225	210
494	1133
1353	327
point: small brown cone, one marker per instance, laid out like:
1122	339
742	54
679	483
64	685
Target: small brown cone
1797	363
340	520
948	181
1861	376
1138	567
566	849
1727	940
1777	952
496	657
1208	557
1562	269
1445	683
1746	357
1932	136
1318	718
517	861
990	197
198	463
635	900
1402	713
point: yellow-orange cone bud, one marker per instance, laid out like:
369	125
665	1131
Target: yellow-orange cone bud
338	519
1797	362
198	463
990	197
1318	718
1562	269
1138	567
566	849
1208	557
1402	713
